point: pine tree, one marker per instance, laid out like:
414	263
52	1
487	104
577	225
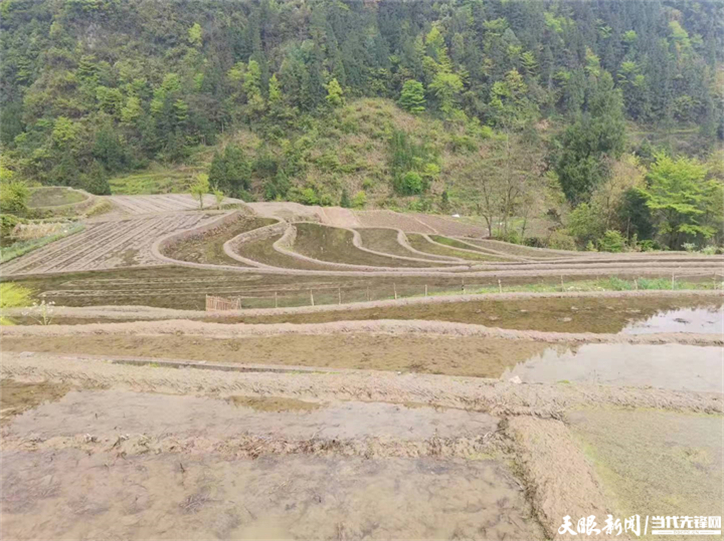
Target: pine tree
412	97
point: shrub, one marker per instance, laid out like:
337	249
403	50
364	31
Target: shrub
14	196
560	240
612	241
689	246
709	250
7	224
410	184
359	200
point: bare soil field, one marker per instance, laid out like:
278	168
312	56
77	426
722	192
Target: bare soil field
104	245
152	204
519	250
387	218
451	226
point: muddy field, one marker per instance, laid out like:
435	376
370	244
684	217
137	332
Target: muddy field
311	414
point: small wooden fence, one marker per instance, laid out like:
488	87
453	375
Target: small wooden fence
218	304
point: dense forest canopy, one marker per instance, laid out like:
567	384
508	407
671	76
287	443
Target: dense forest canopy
91	88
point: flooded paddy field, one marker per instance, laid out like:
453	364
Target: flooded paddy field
202	466
469	356
665	366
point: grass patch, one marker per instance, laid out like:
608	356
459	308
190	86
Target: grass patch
21	248
13	296
157	179
54	197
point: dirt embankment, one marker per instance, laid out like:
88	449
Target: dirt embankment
558	479
391	327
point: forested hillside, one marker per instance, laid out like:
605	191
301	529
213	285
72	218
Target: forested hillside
494	108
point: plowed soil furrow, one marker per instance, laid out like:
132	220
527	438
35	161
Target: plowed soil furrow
112	241
32	259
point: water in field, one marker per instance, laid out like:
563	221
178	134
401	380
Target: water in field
708	320
667	366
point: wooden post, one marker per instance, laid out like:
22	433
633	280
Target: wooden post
500	285
339	294
276	300
311	297
636	284
425	290
368	293
673	280
561	282
394	288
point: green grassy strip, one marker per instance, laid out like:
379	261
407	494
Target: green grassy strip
608	284
22	248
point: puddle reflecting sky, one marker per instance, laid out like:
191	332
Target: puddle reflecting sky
691	320
667	366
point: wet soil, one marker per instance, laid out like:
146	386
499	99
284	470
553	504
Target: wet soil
17	397
460	356
494	397
211	422
598	315
272	403
300	497
655	463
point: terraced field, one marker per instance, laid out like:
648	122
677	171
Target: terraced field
337	246
421	243
387	241
208	247
104	245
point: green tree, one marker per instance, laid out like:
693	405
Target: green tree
195	35
587	147
230	171
344	201
412	97
200	188
684	204
446	88
334	93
